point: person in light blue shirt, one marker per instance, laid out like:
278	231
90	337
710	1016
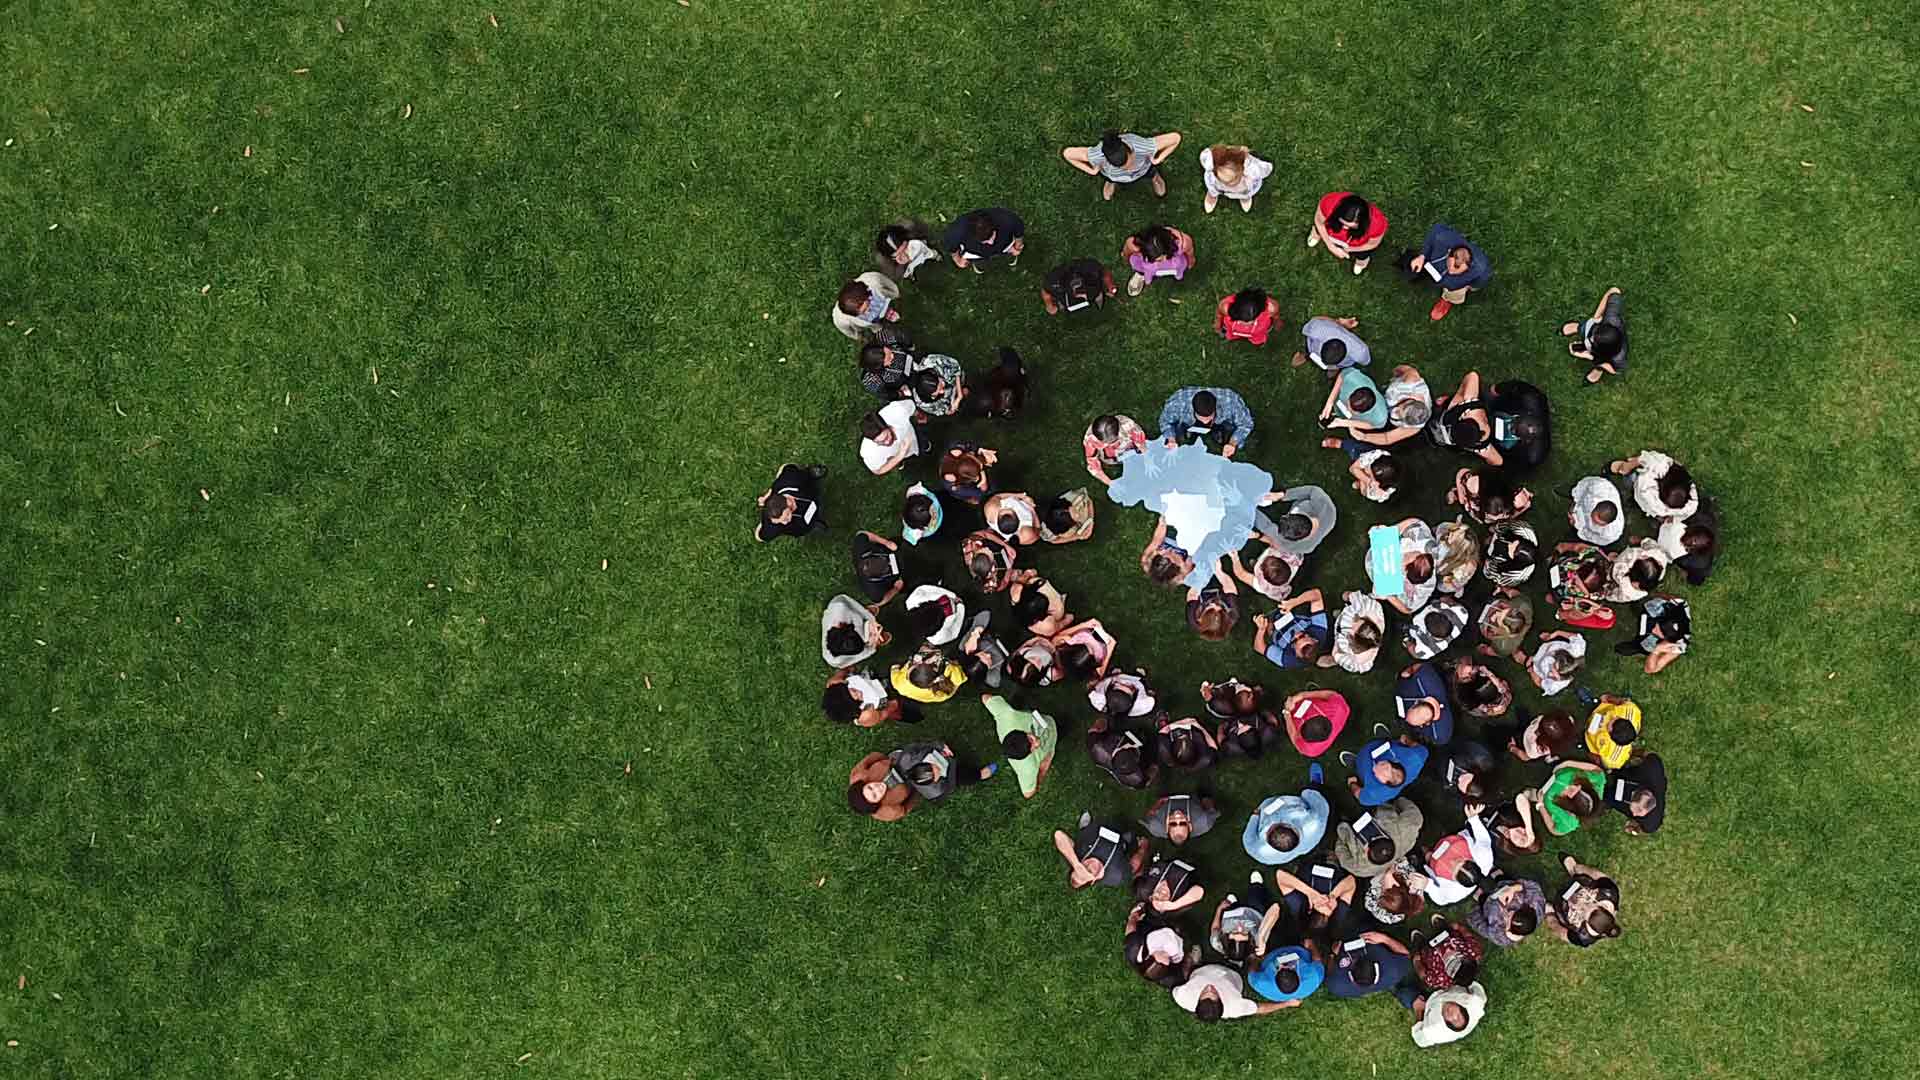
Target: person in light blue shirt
1285	827
1288	975
1331	344
1383	768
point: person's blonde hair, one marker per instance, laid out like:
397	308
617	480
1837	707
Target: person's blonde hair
1229	163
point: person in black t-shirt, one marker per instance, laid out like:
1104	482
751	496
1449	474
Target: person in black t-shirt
791	506
1122	754
1640	792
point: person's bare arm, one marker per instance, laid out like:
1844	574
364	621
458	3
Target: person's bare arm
1260	627
1286	882
1469	389
858	775
1047	301
1239	568
1385	941
1311	598
1185	242
1139	912
1164	145
1076	156
1343	892
1333	395
1046	766
1267	922
1186	900
1063	844
1153	542
1268	1008
1600	308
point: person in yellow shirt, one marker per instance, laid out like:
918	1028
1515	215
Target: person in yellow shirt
929	676
1612	729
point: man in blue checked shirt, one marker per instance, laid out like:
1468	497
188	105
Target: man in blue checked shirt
1207	415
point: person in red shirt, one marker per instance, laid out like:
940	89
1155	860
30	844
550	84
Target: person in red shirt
1350	226
1248	315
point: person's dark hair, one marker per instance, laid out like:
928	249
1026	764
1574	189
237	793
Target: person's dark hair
1247	304
1464	431
1307	647
1697	539
1462	250
1236	949
873	357
1157	242
1420	569
1578	799
1362	399
1380	850
925	620
1522	922
1386	471
1247	740
1214	619
983	229
1316	728
1475	790
1333	352
1143	886
853	297
1007	523
1283	837
922	773
1645	574
1467	972
1364	972
1246	699
974	666
1286	980
1605	513
1114	148
1605	341
1059	515
1079	661
839	704
1529	428
1437	623
871	425
1031	607
1556	732
917	511
1205	404
1186	748
844	640
875	567
1352	214
1397	899
1106	428
924	675
1294	526
1162	570
1016	745
1622	731
1676	487
1025	670
771	509
980	566
1603	923
1120	700
1208	1010
926	383
1496	504
1366	636
1468	874
857	800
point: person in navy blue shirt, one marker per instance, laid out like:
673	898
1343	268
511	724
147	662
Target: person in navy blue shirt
1288	975
1454	263
1420	697
1383	768
1368	964
1293	640
979	235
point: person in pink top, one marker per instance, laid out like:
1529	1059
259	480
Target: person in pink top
1155	252
1314	719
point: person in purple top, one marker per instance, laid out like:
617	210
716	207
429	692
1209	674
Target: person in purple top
1454	263
1155	252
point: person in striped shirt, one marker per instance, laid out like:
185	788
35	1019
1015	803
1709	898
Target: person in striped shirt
1124	158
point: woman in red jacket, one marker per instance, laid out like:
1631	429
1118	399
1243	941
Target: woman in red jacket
1248	315
1350	226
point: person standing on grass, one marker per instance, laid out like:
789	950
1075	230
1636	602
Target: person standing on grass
1248	315
929	676
889	436
1420	699
1207	415
1307	516
902	248
1272	576
1121	754
1122	159
1028	739
1602	337
1013	516
878	790
1454	263
1357	633
1383	768
1292	640
1640	792
1077	286
857	698
1587	909
1108	439
1612	729
791	504
1357	400
884	369
1367	964
877	569
865	304
1290	974
1506	910
1570	796
1331	344
1350	227
1179	818
920	514
1558	659
1232	172
980	236
1596	515
1100	854
1155	252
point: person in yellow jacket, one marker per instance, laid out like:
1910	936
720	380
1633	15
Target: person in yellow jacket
929	676
1612	729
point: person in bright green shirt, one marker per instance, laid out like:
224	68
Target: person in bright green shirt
1028	737
1570	795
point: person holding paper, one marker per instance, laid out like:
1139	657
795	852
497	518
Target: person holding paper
1122	754
1168	886
1233	172
1612	730
1401	561
1307	516
1420	699
1454	263
1315	719
1350	226
865	304
876	789
791	504
1108	439
1665	631
1248	315
1122	158
1587	909
1206	414
1027	737
1185	744
1285	827
1384	769
1331	344
902	248
1459	861
1155	252
1640	792
1357	401
1357	633
1080	285
1292	640
1154	948
1240	928
1367	964
1122	695
979	236
1448	1016
1602	337
1179	818
1506	910
1372	843
1451	958
1289	974
1100	854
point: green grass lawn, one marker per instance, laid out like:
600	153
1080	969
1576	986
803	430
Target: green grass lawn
379	484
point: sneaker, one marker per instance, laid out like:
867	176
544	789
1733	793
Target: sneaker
1246	205
1253	876
1159	185
1418	937
1346	757
1136	284
1313	238
1359	265
1440	309
1211	203
1316	775
1106	191
1232	899
819	472
1587	696
991	771
1382	730
1086	818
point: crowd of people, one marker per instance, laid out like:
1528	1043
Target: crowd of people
1345	899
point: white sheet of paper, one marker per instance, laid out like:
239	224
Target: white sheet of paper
1192	517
